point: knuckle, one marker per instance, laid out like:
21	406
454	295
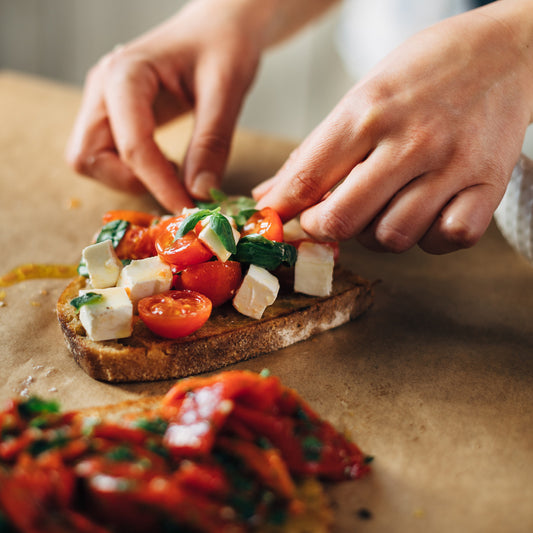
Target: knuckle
337	226
459	234
213	143
113	58
80	162
393	239
305	184
133	152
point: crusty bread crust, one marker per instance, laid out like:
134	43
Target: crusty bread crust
228	337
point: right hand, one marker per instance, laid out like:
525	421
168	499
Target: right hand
205	59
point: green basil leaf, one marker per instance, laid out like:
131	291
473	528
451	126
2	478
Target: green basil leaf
218	196
243	216
312	448
155	425
234	206
113	231
206	205
35	406
120	454
85	299
221	226
190	222
230	206
257	250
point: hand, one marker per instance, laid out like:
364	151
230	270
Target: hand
421	150
194	61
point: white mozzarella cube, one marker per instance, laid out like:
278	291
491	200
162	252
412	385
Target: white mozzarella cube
145	277
103	265
212	240
313	272
109	318
189	210
258	290
292	231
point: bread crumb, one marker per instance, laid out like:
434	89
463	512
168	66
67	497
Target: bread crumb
52	389
35	304
73	203
418	513
2	303
43	292
25	387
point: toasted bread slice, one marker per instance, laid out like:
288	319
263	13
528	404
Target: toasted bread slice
227	337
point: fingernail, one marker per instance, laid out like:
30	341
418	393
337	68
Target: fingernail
202	185
260	190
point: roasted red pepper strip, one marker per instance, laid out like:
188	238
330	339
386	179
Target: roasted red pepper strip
309	445
266	464
36	490
182	462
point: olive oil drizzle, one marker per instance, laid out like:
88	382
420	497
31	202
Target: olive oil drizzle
37	271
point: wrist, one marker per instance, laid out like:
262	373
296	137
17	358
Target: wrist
270	21
515	18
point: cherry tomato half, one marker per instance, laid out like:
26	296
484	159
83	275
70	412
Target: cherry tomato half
266	223
137	243
187	250
215	279
138	218
175	314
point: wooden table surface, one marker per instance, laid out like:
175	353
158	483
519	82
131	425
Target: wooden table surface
435	380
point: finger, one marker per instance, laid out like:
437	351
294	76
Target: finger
332	150
366	191
91	152
106	167
216	112
129	96
463	221
263	188
91	149
412	210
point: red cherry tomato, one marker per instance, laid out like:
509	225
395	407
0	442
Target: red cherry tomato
185	251
137	243
175	314
135	217
266	223
215	279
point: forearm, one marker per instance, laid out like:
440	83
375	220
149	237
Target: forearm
515	18
270	21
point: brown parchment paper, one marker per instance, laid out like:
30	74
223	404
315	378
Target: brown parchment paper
435	381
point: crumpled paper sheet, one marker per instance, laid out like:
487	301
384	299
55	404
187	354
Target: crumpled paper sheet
435	381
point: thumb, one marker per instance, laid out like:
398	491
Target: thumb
216	114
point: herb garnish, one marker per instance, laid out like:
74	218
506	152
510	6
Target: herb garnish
190	222
35	406
153	425
230	206
113	231
257	250
221	226
218	222
312	448
85	299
